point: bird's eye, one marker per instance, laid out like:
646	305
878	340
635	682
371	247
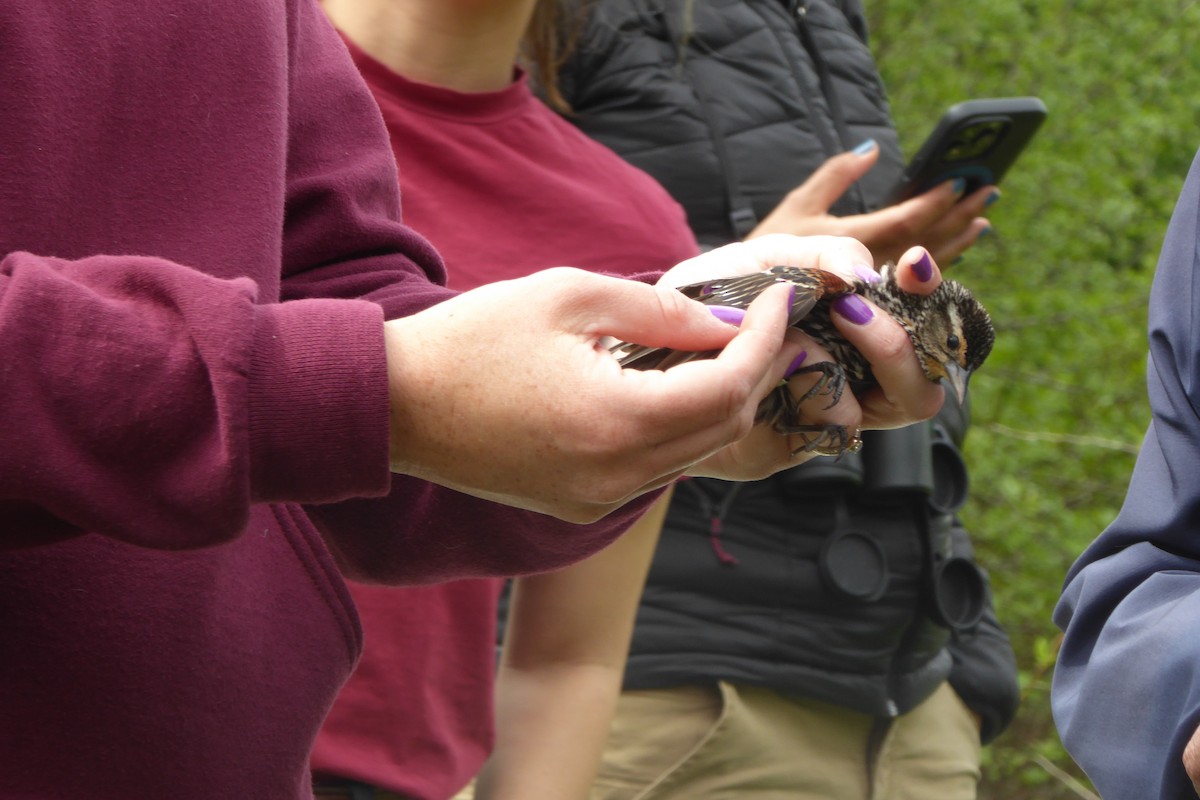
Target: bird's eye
952	342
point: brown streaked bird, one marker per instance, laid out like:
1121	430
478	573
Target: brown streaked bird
950	331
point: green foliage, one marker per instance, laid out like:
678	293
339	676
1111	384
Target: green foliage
1060	408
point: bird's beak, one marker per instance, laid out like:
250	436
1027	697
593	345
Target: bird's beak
957	378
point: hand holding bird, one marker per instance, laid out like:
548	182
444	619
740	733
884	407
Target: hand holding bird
950	331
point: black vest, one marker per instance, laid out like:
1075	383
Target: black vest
764	583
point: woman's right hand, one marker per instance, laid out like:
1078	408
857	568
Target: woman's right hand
940	220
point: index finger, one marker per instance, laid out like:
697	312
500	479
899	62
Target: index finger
840	255
763	335
837	254
706	404
903	394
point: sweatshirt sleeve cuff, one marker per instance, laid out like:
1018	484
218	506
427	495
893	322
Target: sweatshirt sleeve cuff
318	402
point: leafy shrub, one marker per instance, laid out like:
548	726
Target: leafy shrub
1060	409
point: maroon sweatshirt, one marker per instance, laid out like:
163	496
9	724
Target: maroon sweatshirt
199	226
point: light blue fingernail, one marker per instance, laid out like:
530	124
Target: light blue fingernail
865	147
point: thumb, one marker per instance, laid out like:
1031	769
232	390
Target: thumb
656	316
833	178
916	271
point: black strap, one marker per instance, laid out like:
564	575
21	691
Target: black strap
830	94
742	218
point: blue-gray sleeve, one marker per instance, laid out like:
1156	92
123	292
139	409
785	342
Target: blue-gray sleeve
1126	691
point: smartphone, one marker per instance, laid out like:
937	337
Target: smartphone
977	140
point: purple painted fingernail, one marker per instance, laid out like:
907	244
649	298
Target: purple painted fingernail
923	267
854	308
797	362
728	314
791	296
866	274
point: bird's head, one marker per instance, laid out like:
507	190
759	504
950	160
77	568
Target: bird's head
950	330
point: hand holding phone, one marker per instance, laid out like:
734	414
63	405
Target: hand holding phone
977	140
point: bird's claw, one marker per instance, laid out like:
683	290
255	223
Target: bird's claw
831	383
782	409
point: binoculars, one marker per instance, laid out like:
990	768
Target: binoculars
920	459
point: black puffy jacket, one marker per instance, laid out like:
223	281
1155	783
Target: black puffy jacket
701	121
814	582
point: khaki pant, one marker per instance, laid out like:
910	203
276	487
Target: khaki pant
746	743
350	790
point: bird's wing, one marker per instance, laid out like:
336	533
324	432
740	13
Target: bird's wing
738	292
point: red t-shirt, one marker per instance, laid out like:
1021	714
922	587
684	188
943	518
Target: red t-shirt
501	186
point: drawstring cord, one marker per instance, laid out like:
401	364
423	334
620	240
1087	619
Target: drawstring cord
716	518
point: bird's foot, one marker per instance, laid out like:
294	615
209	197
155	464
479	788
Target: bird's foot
830	383
825	440
781	407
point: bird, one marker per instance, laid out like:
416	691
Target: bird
950	329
